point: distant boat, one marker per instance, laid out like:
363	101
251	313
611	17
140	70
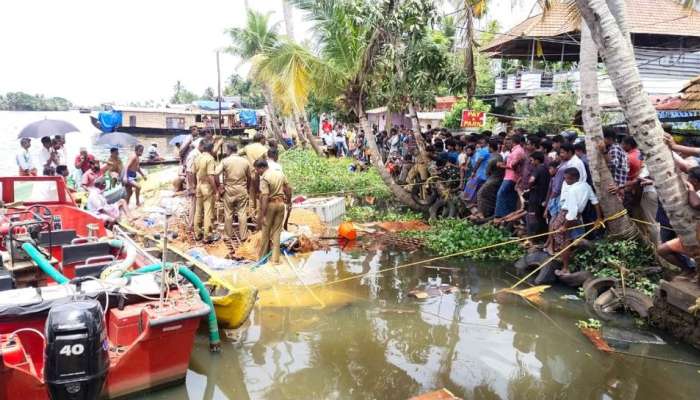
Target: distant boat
85	110
175	121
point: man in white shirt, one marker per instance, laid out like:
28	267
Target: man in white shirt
46	156
98	206
569	159
24	159
272	164
575	195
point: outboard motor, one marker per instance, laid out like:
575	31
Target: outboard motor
77	357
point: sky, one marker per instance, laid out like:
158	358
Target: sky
97	51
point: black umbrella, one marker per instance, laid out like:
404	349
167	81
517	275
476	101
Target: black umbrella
116	139
46	127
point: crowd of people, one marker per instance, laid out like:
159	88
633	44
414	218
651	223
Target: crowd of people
540	182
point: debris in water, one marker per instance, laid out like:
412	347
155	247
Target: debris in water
631	336
532	295
597	339
432	291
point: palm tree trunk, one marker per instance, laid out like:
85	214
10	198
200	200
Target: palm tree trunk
642	119
309	135
592	125
301	134
398	191
469	68
420	143
288	20
272	117
389	122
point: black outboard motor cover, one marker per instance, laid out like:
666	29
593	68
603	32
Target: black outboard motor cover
77	357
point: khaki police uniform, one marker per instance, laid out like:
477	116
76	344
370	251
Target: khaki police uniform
254	152
204	165
235	170
272	184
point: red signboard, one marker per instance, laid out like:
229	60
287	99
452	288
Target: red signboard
473	119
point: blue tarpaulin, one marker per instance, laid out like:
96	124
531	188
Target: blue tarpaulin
109	120
248	117
210	105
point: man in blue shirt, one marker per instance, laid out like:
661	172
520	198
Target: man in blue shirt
480	160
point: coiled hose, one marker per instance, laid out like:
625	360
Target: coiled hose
214	338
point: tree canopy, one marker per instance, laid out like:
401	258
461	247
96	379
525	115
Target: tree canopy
20	101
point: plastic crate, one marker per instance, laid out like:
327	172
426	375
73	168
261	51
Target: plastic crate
328	209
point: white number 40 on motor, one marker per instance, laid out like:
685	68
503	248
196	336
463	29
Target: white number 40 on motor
74	350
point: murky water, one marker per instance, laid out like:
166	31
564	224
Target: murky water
372	341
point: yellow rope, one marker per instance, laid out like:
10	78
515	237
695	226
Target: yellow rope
618	215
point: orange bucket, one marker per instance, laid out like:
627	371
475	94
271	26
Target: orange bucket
347	230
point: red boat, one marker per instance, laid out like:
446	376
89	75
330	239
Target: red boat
74	335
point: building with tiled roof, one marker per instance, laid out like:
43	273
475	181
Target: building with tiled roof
543	51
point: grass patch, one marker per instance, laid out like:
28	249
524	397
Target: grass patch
319	176
449	236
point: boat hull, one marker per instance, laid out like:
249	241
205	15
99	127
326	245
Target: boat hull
136	130
147	351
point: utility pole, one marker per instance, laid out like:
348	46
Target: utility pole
218	85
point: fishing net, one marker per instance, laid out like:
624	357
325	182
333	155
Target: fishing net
401	226
249	248
300	217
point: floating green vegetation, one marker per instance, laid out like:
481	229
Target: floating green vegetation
312	175
371	214
449	236
592	323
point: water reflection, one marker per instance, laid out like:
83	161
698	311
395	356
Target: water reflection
377	343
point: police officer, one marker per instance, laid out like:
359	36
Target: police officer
253	152
236	179
275	193
206	191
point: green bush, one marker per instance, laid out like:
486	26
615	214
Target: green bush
606	258
449	236
453	119
316	176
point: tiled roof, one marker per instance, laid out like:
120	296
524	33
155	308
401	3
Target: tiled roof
662	17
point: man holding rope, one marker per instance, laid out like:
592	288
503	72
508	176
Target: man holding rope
575	195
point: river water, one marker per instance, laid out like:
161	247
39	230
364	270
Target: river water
372	341
12	122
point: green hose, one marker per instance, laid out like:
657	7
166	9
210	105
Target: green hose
214	339
44	264
48	269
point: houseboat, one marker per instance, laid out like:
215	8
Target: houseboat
176	119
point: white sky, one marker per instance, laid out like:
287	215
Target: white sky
94	51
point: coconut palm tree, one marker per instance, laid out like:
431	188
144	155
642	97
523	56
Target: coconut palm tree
288	69
592	124
254	38
350	37
470	10
641	117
